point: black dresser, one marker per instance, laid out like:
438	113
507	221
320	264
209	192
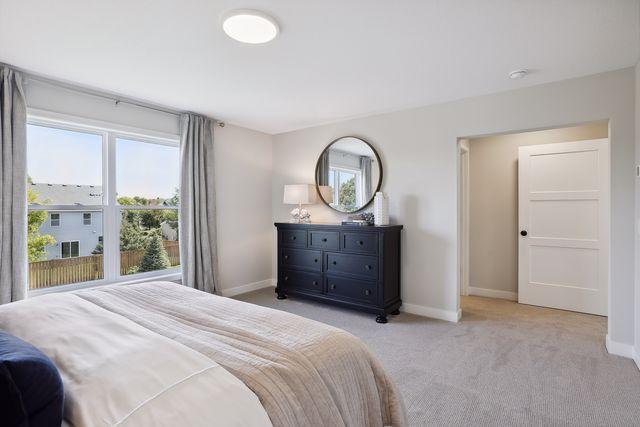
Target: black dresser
350	266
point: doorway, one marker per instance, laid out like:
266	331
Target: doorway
536	234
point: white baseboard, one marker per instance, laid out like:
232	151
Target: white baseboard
636	356
493	293
436	313
237	290
619	348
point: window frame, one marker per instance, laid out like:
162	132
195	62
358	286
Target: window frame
110	209
59	219
70	242
84	218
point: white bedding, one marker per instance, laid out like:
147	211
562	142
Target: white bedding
127	375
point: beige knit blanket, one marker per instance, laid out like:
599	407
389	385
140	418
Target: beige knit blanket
305	373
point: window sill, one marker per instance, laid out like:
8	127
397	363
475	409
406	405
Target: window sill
167	275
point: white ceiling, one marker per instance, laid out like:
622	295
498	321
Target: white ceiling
333	59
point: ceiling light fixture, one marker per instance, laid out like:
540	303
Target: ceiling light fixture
250	26
518	74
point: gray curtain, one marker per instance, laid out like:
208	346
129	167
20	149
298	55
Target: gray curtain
323	169
365	168
198	251
13	187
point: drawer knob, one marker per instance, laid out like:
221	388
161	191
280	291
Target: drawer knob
324	239
286	257
315	283
286	278
367	292
334	262
315	260
368	267
360	242
332	286
293	237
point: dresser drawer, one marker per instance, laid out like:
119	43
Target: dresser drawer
353	289
300	280
301	258
353	265
327	240
360	242
293	238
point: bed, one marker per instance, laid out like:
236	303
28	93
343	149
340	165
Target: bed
161	354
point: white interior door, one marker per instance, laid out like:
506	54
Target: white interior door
563	207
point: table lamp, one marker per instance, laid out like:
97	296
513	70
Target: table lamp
299	194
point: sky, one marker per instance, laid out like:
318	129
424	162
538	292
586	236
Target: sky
56	156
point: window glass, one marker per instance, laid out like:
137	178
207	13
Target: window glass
55	220
155	183
148	240
64	167
70	249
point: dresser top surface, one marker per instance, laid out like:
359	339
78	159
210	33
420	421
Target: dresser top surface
320	225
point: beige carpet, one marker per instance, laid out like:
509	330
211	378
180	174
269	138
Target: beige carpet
503	364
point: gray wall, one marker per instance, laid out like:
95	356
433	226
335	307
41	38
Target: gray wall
243	203
493	201
419	155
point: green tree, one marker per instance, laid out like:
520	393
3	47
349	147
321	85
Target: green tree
98	250
155	256
36	242
347	197
132	238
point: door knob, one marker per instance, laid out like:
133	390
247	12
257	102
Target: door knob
523	233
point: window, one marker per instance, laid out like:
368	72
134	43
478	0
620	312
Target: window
347	187
70	249
113	218
55	220
148	200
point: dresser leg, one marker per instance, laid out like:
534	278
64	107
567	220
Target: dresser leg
281	295
396	312
381	318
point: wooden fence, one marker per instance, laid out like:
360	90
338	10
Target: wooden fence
55	272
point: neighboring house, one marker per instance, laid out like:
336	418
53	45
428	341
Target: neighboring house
76	232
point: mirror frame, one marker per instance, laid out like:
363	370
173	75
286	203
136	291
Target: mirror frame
315	177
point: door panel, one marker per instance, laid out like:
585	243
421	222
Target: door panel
563	204
564	219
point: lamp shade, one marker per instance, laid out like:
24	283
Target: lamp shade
326	192
296	194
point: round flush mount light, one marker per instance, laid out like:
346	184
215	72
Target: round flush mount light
250	26
518	74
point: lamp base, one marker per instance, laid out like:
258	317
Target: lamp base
300	216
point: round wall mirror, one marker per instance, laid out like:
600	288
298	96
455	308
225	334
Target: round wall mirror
348	174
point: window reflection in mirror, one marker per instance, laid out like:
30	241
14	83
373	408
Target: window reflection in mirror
351	169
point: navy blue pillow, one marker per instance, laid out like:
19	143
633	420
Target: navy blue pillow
31	392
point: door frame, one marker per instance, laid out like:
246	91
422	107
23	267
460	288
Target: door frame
463	218
463	214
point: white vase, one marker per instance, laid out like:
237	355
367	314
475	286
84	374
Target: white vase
381	209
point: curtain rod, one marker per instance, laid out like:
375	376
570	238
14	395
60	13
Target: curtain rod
98	94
